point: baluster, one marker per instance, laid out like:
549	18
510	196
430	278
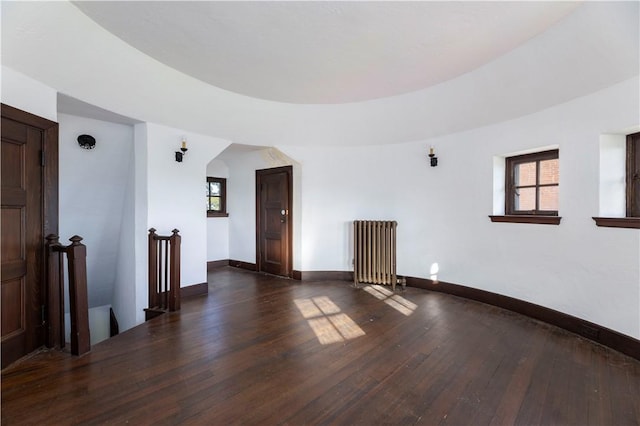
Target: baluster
174	299
153	269
165	292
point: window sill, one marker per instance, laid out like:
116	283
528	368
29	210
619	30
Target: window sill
618	222
541	220
215	214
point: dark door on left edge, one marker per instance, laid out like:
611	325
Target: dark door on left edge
273	220
22	239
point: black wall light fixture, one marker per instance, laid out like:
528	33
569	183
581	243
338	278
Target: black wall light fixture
183	150
87	141
432	157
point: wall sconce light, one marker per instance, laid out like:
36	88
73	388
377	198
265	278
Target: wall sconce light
432	156
183	150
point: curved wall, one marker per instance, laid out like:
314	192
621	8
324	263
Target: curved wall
576	268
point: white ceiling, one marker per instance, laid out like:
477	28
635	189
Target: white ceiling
500	63
324	52
72	106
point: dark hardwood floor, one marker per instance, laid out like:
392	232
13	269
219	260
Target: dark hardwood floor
264	350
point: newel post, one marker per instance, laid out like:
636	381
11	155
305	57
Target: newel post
77	255
174	280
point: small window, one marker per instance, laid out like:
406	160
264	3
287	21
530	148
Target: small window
216	197
532	184
633	175
619	181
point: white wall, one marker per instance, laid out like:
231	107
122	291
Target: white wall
218	227
176	196
577	268
124	297
93	184
27	94
134	306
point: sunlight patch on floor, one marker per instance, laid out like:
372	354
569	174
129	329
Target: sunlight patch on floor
329	324
397	302
348	328
307	308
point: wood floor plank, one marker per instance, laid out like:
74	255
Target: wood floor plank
264	350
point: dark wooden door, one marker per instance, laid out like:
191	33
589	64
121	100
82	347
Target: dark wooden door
273	217
22	243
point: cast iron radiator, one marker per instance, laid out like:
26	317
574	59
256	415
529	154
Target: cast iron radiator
374	252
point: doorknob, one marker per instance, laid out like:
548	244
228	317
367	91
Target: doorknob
283	216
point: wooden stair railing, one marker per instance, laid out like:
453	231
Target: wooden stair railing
78	306
164	273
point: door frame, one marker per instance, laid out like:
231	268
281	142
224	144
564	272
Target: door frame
289	240
50	192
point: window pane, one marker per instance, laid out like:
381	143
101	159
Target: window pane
208	189
526	200
214	203
549	198
549	171
215	188
525	174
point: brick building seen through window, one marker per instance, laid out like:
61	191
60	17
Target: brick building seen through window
532	184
